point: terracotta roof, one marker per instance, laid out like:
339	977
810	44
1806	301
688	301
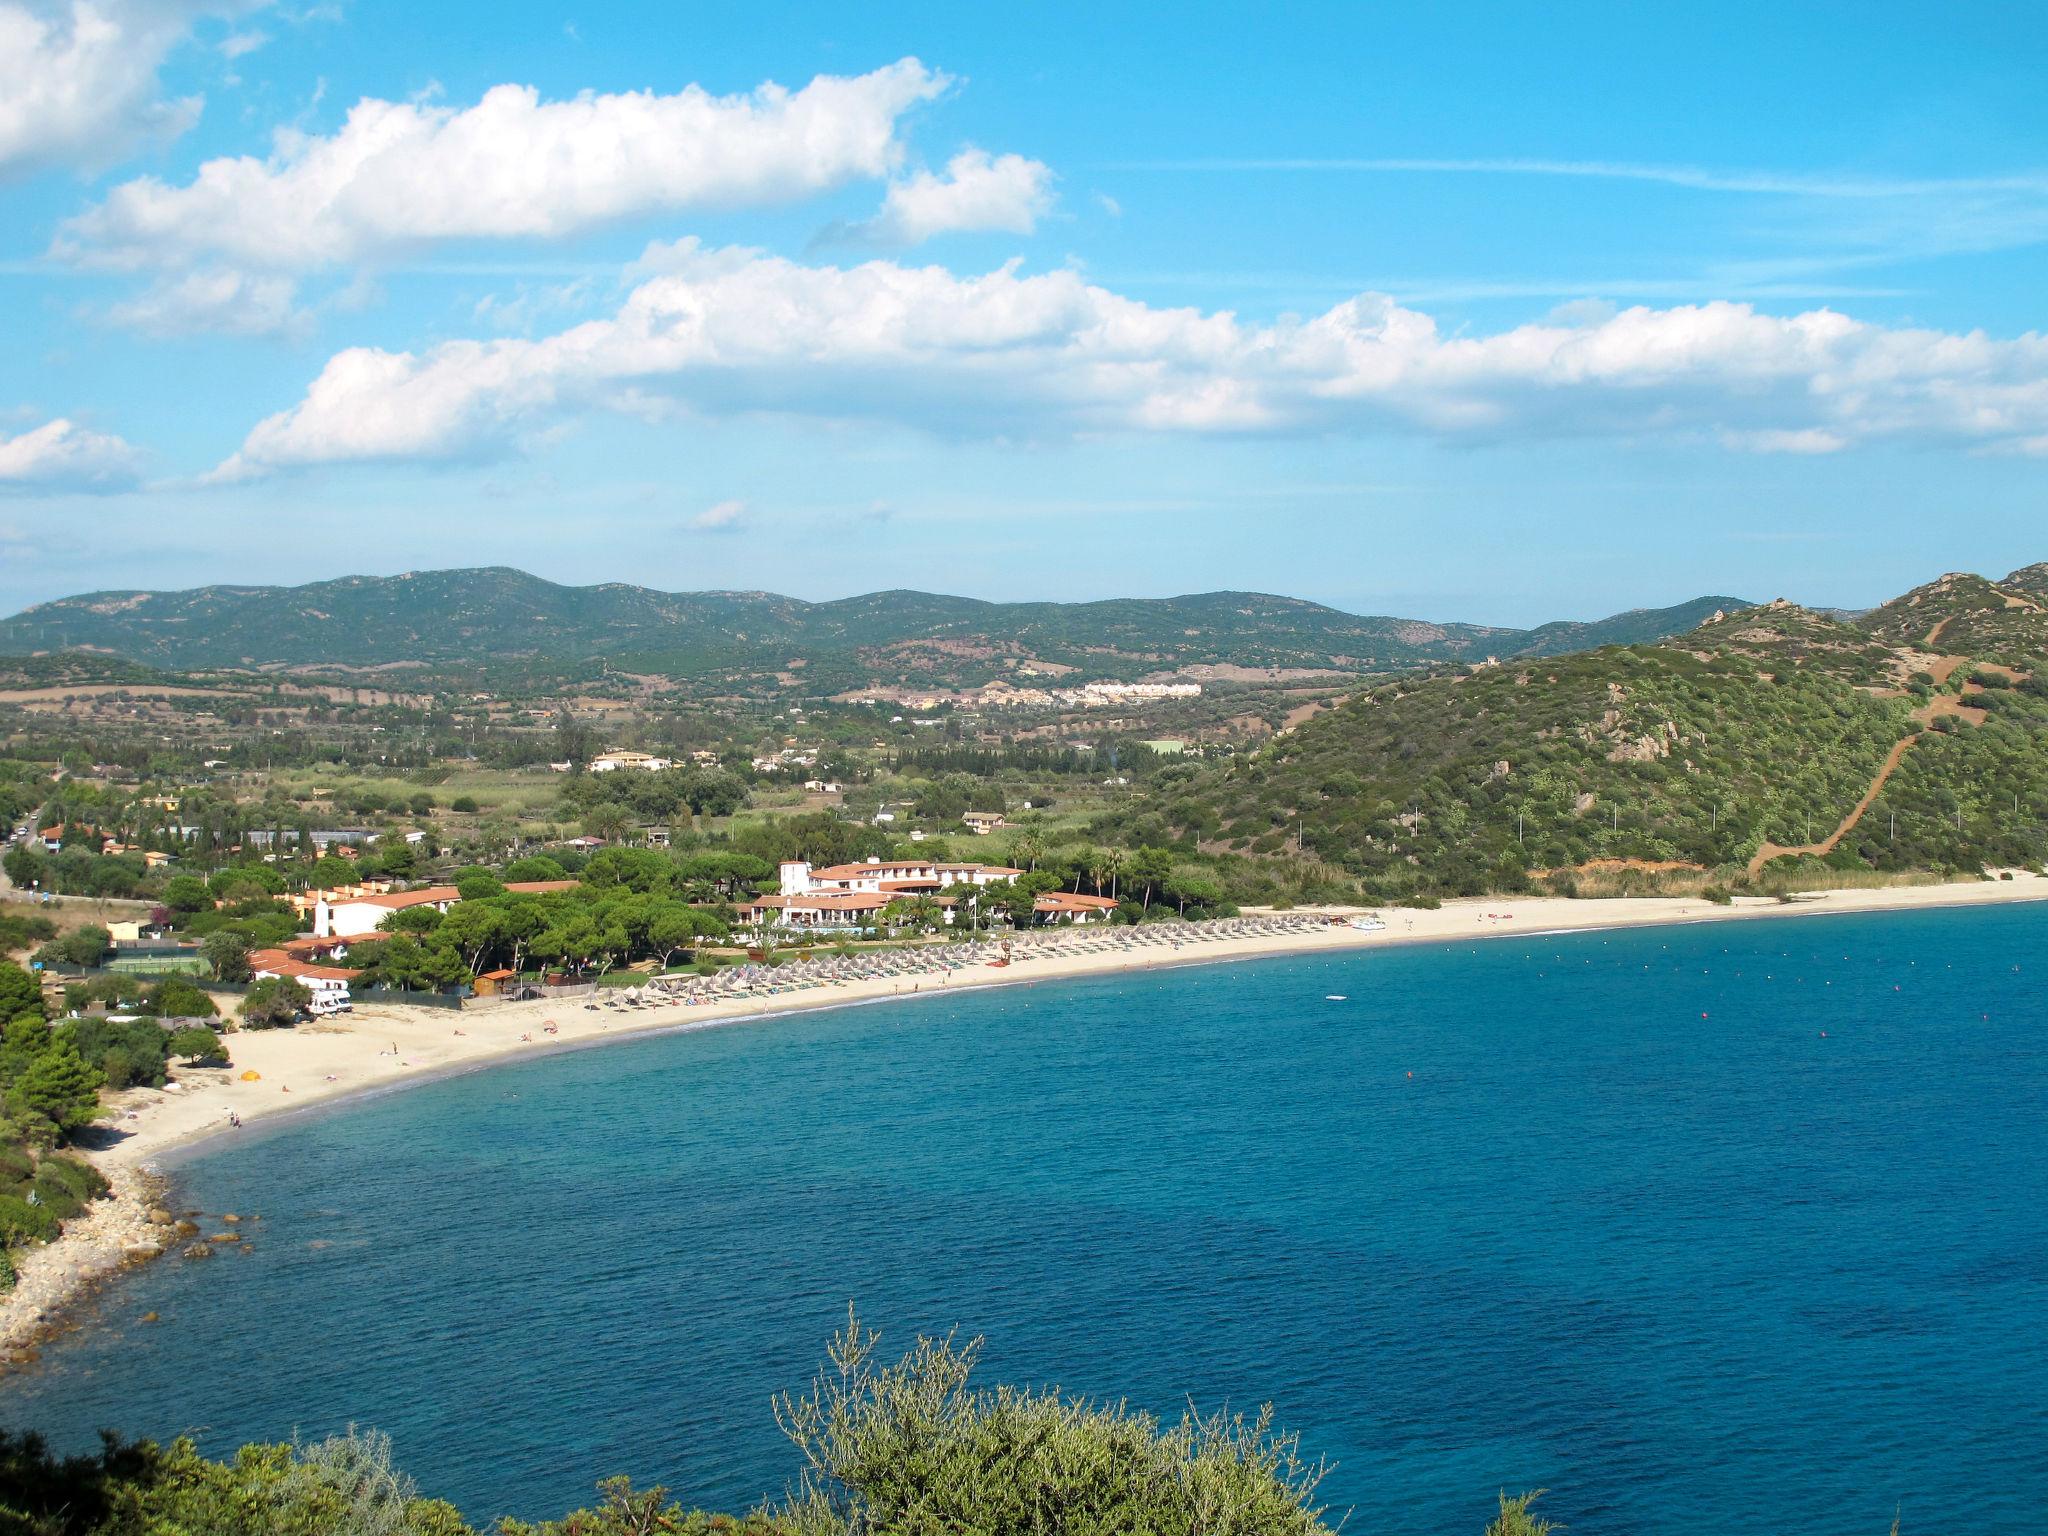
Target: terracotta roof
1068	901
826	901
396	900
276	962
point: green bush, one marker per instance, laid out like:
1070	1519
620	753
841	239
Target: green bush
911	1447
197	1043
177	998
82	1180
16	1166
21	1222
127	1051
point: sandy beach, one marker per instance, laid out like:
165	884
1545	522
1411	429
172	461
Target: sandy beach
380	1047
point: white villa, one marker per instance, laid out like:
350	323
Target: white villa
849	895
327	984
608	761
350	916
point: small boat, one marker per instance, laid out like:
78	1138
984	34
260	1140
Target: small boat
1336	997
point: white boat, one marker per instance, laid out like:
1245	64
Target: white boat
1368	923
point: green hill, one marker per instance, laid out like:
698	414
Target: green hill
1960	614
479	620
1761	731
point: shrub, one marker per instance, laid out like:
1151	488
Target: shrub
16	1166
465	804
273	1003
127	1051
21	1222
1719	895
178	998
198	1044
912	1447
84	1181
54	1194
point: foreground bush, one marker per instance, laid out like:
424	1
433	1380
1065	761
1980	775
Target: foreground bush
908	1449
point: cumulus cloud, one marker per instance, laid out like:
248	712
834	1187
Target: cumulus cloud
398	177
221	301
1006	353
720	517
78	81
62	456
979	192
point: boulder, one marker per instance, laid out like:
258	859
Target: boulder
231	1218
159	1217
199	1251
225	1237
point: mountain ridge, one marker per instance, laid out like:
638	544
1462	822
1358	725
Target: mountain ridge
499	615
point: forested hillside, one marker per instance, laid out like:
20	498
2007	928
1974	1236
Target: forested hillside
1746	743
498	620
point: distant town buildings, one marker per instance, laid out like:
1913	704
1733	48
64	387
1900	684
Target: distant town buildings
607	762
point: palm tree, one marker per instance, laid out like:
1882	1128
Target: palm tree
1028	847
1111	863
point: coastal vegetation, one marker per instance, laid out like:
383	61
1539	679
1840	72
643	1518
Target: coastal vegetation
1765	750
910	1448
49	1091
508	626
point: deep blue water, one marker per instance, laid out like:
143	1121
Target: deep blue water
1738	1228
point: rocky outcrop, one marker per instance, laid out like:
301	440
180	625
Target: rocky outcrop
95	1245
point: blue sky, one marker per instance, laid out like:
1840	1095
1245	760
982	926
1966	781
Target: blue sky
1482	312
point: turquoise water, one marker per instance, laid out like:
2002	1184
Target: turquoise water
1736	1227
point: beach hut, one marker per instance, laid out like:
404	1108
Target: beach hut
491	983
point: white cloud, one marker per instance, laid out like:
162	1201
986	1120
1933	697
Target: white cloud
401	176
238	45
1010	354
979	192
721	517
221	301
78	80
62	456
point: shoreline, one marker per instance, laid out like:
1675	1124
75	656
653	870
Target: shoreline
378	1049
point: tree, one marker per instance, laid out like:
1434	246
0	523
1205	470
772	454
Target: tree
478	885
21	995
25	867
59	1086
195	1042
177	998
534	867
675	925
274	1003
228	954
331	870
473	928
607	821
1110	865
186	894
85	946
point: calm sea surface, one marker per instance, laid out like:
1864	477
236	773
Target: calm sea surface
1737	1228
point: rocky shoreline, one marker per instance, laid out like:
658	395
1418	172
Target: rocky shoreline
128	1226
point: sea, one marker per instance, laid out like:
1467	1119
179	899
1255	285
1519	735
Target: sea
1738	1226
